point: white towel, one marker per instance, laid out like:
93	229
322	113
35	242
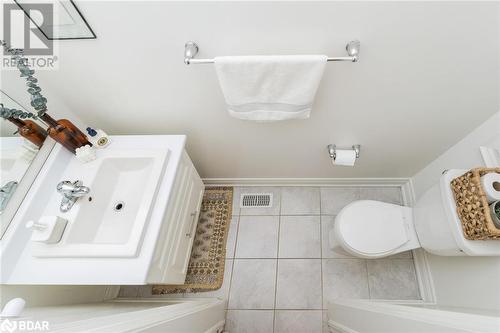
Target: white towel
269	88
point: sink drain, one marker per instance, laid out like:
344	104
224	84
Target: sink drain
119	206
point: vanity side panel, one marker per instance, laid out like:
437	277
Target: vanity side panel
179	258
188	187
166	236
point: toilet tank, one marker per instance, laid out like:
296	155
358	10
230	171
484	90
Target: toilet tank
431	222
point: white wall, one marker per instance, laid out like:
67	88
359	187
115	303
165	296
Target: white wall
463	155
470	282
423	68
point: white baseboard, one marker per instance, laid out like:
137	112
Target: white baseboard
424	276
422	269
408	193
359	182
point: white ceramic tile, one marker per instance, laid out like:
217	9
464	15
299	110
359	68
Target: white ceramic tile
327	223
299	284
300	201
274	210
392	279
257	237
344	278
253	284
289	321
385	194
299	237
231	237
333	199
249	321
223	291
128	291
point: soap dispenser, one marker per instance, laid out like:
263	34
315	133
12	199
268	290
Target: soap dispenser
49	229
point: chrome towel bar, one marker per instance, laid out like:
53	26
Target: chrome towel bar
191	50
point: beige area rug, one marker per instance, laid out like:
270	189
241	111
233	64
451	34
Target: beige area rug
206	265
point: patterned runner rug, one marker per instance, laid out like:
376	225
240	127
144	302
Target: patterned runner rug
206	265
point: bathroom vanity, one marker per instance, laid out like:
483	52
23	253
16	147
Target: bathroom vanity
135	225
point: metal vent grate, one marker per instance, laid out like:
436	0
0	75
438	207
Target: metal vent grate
249	200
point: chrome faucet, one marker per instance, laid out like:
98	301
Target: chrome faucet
6	193
71	191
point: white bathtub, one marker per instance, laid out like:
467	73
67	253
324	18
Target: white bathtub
130	315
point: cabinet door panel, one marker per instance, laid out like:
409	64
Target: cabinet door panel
177	234
184	246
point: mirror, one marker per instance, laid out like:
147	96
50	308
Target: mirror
19	160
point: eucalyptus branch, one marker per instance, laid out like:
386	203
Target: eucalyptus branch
14	113
38	102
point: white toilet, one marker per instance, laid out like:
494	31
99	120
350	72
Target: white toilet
373	229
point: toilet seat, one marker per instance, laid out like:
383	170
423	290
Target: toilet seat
374	229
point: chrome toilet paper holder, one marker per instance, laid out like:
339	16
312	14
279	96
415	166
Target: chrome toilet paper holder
332	150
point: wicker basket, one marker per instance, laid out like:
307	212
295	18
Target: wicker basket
472	205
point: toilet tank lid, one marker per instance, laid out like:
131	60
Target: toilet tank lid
372	227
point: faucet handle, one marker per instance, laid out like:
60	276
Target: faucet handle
9	187
64	186
67	187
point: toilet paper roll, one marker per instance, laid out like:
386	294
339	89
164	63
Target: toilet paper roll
491	186
345	157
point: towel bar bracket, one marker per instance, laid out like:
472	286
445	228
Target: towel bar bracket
191	50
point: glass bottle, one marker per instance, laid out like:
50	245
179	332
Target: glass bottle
65	132
30	130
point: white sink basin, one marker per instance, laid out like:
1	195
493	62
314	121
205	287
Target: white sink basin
110	220
116	206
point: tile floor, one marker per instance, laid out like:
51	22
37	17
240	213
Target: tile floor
280	271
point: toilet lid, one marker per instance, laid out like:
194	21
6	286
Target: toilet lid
372	227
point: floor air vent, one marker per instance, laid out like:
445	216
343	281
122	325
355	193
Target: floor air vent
249	200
